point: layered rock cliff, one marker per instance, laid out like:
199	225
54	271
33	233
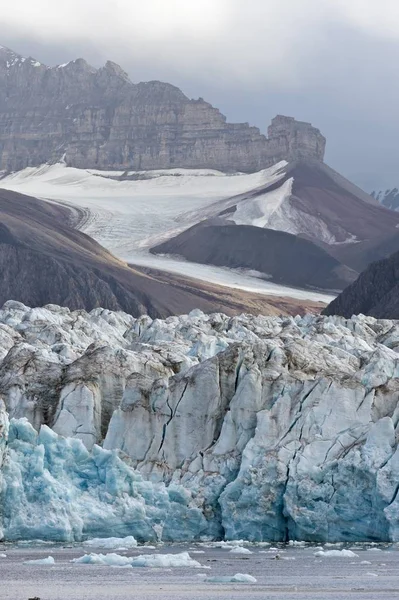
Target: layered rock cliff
98	118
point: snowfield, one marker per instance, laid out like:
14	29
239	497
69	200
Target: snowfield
198	427
130	216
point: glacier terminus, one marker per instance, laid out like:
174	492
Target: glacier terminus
197	427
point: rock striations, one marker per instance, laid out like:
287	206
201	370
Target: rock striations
261	428
98	118
375	292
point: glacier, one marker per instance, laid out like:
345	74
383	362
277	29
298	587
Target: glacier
197	427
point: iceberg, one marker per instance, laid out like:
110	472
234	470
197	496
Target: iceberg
41	561
183	559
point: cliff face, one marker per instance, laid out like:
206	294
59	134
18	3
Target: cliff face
375	292
97	118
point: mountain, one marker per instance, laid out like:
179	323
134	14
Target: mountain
282	257
388	198
98	118
304	198
45	260
375	292
121	143
254	428
358	256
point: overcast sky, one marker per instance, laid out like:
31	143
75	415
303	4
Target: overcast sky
331	62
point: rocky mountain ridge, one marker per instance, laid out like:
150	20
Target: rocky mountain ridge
98	118
375	292
388	198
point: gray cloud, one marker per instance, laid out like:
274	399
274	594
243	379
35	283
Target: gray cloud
318	60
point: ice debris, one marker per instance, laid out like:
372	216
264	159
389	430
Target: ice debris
41	561
237	578
337	553
183	559
240	550
112	542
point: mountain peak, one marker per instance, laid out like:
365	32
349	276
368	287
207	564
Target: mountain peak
301	138
115	69
101	119
12	59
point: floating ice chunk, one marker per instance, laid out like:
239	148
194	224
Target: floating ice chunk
112	542
297	544
372	574
110	560
333	544
165	560
337	553
3	555
41	561
365	562
225	545
240	550
237	578
144	560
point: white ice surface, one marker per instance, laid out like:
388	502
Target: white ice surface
182	559
112	542
237	578
41	561
129	217
337	553
109	560
240	550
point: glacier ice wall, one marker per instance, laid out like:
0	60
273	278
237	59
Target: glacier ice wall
55	489
261	428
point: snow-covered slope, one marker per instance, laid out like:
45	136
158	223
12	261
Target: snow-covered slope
131	215
130	212
260	427
310	199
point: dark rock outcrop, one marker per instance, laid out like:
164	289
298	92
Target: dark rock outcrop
374	293
282	257
98	118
